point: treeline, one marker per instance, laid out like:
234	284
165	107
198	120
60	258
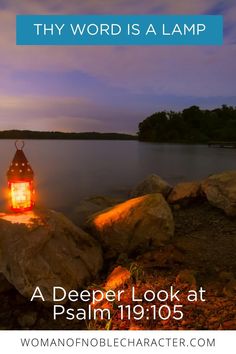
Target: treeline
28	134
192	125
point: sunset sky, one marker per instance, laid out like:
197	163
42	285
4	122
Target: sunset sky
110	88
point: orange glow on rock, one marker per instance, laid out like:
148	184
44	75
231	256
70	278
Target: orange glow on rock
118	277
28	218
114	214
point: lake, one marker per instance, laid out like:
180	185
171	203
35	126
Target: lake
68	171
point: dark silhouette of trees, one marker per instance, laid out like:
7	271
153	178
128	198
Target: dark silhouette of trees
192	125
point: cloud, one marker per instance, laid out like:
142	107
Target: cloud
37	112
63	114
141	71
115	6
138	69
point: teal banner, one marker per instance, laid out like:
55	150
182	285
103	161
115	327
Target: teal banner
116	30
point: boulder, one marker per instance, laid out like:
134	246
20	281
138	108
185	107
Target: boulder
90	206
151	184
27	320
185	193
133	226
220	190
4	284
44	249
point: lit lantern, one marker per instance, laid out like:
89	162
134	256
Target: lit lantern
21	181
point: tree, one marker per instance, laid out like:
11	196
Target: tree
192	125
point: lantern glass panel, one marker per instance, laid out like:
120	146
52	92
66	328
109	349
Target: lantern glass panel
21	197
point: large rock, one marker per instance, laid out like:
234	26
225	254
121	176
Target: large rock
220	191
90	206
45	249
133	226
151	184
4	284
185	193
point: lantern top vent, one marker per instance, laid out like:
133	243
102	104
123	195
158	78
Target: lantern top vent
20	168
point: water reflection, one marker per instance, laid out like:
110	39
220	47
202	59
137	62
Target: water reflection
67	171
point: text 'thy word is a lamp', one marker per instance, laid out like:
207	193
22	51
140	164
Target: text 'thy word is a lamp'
20	178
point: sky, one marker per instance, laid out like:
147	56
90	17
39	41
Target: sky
110	89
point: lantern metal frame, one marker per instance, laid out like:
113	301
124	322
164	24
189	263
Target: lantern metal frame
20	176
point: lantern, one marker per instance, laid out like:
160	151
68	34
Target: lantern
20	178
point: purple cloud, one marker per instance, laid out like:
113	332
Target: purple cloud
131	79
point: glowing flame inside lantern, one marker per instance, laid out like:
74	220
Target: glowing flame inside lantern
21	195
20	182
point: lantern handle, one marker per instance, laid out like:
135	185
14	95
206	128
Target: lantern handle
17	142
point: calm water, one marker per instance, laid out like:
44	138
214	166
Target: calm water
67	171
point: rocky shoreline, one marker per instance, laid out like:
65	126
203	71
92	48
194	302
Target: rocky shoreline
161	234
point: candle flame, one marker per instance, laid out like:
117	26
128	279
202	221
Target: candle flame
21	195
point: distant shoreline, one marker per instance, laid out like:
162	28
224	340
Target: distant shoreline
41	135
47	135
